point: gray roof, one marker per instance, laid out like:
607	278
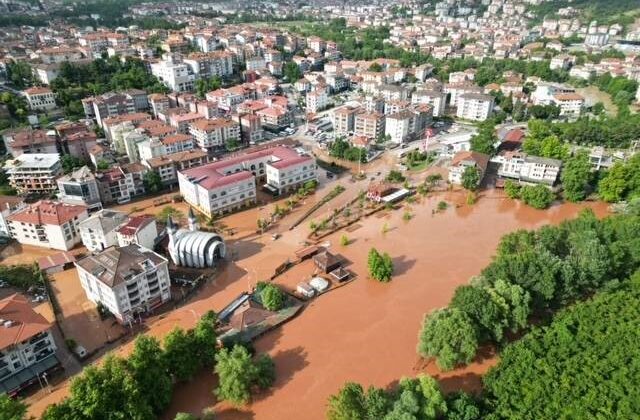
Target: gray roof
117	265
104	220
543	160
79	175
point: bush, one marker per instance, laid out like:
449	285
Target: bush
442	205
539	196
512	189
344	240
395	176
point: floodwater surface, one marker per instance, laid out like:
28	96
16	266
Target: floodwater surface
367	332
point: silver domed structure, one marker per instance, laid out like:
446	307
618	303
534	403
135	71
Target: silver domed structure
193	248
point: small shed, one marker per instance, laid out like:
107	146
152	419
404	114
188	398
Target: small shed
305	289
326	261
56	262
340	274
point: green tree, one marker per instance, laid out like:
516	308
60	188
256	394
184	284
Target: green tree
380	266
449	335
206	338
169	211
108	391
238	373
489	317
576	177
152	181
181	354
232	144
461	406
11	409
418	398
185	416
375	67
539	196
613	186
486	137
470	178
69	163
348	404
292	72
272	297
150	371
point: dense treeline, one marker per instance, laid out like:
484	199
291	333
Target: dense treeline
622	181
76	81
586	364
533	272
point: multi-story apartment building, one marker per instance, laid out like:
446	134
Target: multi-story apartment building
317	100
81	188
8	205
436	98
475	106
177	76
48	224
27	347
168	166
344	119
119	184
170	144
369	125
570	104
99	231
528	169
112	104
212	135
59	55
28	140
159	103
34	172
40	98
251	128
141	230
206	65
129	281
465	159
408	124
230	184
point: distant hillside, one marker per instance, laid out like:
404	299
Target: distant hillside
604	11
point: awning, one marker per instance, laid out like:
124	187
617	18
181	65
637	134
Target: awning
20	379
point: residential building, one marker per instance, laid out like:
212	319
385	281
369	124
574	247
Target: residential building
463	160
141	230
475	106
212	135
206	65
230	184
168	166
436	98
570	104
28	140
370	125
112	104
545	92
177	76
81	188
98	232
48	224
344	119
34	172
129	281
27	346
528	169
408	124
251	128
40	98
119	184
316	101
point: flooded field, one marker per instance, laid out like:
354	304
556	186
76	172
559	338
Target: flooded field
365	331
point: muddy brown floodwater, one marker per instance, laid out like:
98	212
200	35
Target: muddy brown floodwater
366	331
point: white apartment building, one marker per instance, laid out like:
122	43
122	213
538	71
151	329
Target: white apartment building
40	98
369	124
545	92
141	230
98	232
255	63
211	135
528	169
174	143
474	106
405	125
230	184
8	204
316	101
128	281
437	99
176	76
80	187
34	172
463	160
48	224
27	347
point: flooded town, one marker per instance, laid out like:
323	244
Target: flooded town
289	210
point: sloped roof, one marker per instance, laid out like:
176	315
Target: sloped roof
25	322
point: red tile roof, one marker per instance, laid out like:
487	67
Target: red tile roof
25	322
47	212
135	224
